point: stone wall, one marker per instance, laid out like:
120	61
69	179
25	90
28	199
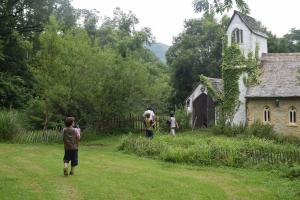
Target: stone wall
279	116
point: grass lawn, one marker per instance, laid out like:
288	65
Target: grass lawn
35	172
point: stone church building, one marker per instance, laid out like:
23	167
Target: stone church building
275	100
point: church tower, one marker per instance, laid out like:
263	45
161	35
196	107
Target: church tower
248	33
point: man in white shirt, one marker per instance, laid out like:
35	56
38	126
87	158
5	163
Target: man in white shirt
150	111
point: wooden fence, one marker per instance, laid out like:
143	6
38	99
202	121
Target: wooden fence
132	123
258	156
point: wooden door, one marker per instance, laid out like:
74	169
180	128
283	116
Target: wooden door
203	111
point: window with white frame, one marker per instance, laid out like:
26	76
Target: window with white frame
237	36
267	117
292	115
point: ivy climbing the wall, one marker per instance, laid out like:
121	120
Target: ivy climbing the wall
253	68
213	93
234	64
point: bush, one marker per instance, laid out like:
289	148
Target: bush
257	129
229	130
10	124
183	118
261	130
214	150
287	139
88	135
40	115
293	172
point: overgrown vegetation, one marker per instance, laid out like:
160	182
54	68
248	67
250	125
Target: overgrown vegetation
10	124
183	118
201	149
257	129
292	172
234	65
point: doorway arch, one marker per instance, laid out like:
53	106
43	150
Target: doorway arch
203	111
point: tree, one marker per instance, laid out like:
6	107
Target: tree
219	6
293	39
75	77
21	22
119	32
197	50
90	22
290	42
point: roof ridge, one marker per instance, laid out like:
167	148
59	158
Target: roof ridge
276	57
254	25
240	13
282	54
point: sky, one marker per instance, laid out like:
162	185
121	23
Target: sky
166	17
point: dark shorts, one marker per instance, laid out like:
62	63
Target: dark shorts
149	134
71	155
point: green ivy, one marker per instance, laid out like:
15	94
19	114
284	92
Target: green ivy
233	65
253	68
217	95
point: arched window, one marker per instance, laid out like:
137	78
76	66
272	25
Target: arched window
237	36
292	115
267	117
188	102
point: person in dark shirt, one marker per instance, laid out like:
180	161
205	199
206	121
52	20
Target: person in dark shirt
71	137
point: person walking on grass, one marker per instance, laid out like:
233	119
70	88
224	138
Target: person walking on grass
172	124
71	137
149	124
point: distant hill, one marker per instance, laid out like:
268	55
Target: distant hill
159	49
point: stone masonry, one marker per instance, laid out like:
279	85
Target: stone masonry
279	116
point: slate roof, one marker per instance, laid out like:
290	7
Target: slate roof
217	83
255	26
279	76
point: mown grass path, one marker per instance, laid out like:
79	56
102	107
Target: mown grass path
35	172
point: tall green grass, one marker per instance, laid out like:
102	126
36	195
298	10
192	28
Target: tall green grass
257	129
213	150
10	124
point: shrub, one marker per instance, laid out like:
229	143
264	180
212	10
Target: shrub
229	130
10	123
257	129
88	135
293	172
261	130
183	118
40	115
